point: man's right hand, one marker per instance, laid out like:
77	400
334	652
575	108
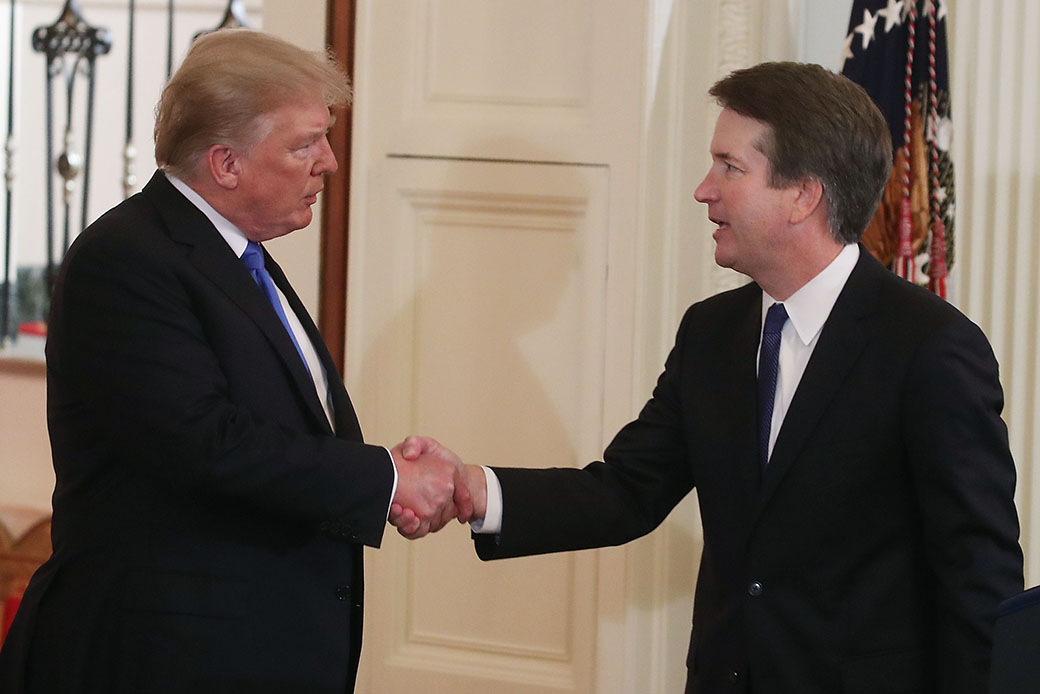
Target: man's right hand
468	499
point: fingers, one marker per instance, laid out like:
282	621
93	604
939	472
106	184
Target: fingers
415	446
411	526
421	529
432	488
446	515
405	520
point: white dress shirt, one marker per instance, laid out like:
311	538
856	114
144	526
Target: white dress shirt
807	311
238	241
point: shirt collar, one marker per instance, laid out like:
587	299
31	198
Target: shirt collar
232	234
809	307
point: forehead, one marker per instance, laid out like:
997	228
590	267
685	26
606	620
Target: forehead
737	135
311	115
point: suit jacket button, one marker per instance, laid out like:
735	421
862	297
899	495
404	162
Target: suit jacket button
343	592
754	589
733	677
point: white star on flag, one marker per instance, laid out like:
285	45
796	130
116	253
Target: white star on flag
943	133
846	50
892	14
867	28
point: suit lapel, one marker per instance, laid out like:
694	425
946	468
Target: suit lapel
844	335
212	257
740	354
347	426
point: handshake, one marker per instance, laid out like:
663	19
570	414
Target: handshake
434	486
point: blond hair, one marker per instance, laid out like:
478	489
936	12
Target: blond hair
228	83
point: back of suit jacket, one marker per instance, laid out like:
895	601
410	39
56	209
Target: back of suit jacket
871	554
207	523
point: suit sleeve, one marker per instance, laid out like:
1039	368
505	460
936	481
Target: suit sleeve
645	472
958	448
129	358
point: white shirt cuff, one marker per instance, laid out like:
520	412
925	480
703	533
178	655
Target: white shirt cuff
492	523
393	490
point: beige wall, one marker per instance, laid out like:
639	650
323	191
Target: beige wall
26	478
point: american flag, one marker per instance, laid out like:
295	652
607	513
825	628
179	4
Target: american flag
877	55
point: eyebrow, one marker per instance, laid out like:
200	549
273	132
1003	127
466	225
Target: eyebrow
728	157
313	133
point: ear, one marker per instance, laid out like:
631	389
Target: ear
808	199
224	165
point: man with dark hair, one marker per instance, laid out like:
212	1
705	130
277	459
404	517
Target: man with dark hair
841	426
213	490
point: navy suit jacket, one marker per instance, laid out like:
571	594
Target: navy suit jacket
208	524
872	553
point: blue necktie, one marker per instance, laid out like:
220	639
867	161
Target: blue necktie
768	366
253	257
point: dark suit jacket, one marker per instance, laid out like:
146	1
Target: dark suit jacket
1016	669
208	524
872	554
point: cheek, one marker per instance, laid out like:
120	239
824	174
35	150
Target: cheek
740	207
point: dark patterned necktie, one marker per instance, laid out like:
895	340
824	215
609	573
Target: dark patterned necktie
768	366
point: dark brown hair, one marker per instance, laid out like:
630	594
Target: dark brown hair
821	125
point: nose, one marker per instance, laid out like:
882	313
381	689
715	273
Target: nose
706	191
326	163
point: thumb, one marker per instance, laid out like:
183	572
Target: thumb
462	499
412	447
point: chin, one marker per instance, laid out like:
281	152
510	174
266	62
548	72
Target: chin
275	231
723	259
292	224
303	220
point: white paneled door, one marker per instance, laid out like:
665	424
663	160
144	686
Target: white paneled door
495	161
487	327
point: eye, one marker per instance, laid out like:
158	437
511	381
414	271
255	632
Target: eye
304	148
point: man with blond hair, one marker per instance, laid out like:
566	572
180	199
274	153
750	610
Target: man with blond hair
213	490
